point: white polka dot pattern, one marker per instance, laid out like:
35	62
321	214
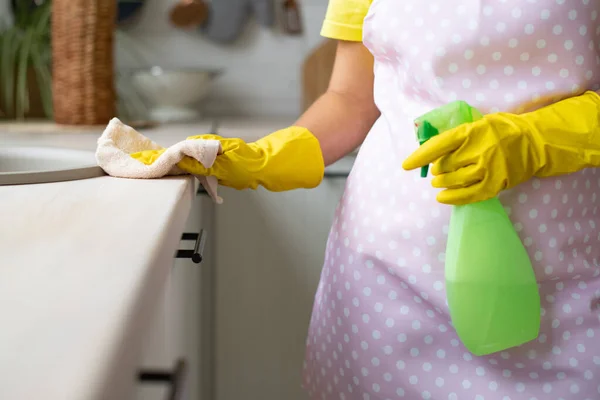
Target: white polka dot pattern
380	328
535	52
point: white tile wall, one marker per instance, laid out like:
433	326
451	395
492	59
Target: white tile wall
261	70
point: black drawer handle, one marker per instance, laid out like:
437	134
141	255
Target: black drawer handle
175	378
196	254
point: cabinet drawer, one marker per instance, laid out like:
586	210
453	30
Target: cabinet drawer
151	392
181	327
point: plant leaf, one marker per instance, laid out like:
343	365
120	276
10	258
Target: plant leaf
24	45
42	18
2	47
43	76
22	104
21	12
8	60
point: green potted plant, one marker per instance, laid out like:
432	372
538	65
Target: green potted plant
26	68
25	62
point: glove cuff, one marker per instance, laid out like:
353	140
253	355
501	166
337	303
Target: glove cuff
566	134
294	160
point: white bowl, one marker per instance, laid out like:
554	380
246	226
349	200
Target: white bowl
175	94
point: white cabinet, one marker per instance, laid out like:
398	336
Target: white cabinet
270	249
182	325
241	317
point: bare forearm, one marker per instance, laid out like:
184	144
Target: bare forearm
339	122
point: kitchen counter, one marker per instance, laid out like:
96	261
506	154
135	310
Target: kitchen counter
82	263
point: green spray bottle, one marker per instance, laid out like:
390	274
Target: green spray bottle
491	288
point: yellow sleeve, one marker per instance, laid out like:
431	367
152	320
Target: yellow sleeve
344	19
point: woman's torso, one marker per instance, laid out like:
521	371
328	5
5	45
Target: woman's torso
380	326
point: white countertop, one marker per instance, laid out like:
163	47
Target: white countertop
81	262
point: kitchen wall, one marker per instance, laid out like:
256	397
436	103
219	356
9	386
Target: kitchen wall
5	11
261	69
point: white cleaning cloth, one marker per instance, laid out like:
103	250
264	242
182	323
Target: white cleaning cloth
118	141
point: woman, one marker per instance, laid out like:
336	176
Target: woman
380	327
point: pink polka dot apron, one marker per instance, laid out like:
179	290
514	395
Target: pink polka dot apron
380	327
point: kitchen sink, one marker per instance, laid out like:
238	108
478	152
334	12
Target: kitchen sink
28	164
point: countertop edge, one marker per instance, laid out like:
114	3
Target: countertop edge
121	367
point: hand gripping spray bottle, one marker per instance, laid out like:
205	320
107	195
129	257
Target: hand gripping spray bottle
491	289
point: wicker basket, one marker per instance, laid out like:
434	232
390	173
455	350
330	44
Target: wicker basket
83	87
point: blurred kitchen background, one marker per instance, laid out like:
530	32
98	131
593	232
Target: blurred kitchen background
256	47
170	68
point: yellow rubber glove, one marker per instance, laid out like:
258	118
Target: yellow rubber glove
288	159
475	161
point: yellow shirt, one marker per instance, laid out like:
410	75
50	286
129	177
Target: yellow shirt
344	19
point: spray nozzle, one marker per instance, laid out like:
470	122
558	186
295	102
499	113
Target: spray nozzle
441	119
425	131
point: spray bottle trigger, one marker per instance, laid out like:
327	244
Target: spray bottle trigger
425	131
